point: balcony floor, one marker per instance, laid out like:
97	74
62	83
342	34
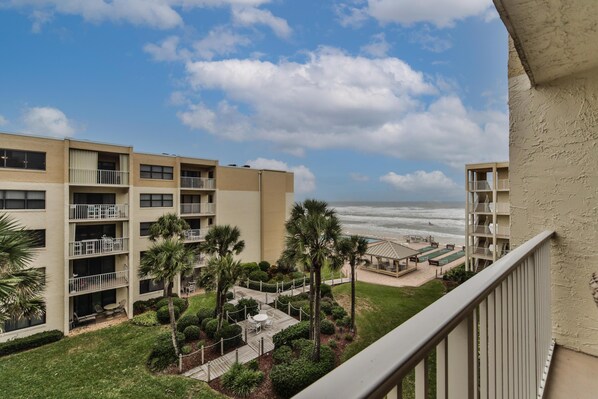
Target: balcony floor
572	375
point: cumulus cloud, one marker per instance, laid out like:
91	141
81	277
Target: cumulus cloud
48	121
249	16
333	100
359	177
378	47
422	182
3	120
305	180
167	50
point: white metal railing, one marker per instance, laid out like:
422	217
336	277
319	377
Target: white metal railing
480	229
98	282
481	208
502	184
481	251
482	185
98	176
198	182
204	207
195	234
98	246
492	338
98	211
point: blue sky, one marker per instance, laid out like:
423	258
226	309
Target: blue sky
375	100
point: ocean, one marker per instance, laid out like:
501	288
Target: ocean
445	221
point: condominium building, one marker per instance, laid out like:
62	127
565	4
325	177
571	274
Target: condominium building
91	206
487	213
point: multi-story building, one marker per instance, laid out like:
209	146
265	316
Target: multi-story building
487	213
91	205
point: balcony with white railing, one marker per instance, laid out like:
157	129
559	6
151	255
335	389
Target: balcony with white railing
503	231
195	234
98	176
480	185
480	229
205	208
482	251
502	184
490	207
98	211
98	282
98	247
491	335
198	183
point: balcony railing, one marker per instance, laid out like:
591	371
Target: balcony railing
492	337
502	184
502	231
98	212
202	183
480	229
480	185
500	207
195	234
481	251
98	282
101	246
203	208
98	176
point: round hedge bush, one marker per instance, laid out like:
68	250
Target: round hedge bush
338	312
204	313
326	290
230	295
163	354
212	326
186	321
186	349
344	322
284	354
191	333
326	307
231	335
264	265
204	322
327	327
259	275
179	303
164	316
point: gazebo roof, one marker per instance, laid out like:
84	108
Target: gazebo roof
391	250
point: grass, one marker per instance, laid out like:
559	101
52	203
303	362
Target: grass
380	309
196	302
108	363
327	273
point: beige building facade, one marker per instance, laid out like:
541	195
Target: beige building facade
92	204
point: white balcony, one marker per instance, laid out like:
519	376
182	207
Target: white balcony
206	208
492	337
482	251
98	176
98	247
480	229
98	212
480	185
195	234
199	183
98	282
490	207
502	184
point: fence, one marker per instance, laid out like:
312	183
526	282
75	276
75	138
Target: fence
282	286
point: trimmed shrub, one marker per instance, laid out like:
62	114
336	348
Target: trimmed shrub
231	334
30	342
141	307
259	276
458	274
186	349
288	335
241	380
326	307
327	327
179	303
344	322
297	275
264	266
253	365
338	312
283	300
253	307
204	313
284	354
192	333
186	321
146	319
164	316
248	268
230	295
211	328
163	354
204	322
332	344
297	305
325	290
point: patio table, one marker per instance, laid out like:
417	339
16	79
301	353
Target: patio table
260	318
111	306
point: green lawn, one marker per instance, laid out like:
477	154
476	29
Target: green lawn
207	300
327	273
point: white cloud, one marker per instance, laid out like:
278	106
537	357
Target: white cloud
48	121
359	177
3	120
219	41
305	180
167	50
422	182
378	47
350	16
333	100
249	16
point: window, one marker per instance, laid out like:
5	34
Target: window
210	221
22	159
156	172
13	199
39	238
144	228
156	200
149	285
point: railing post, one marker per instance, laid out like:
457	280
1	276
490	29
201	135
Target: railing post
236	355
209	363
180	363
460	361
262	345
221	346
245	329
245	312
421	379
289	308
277	286
300	313
202	355
261	282
266	296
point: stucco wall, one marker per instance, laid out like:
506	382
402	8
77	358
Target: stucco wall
242	209
554	181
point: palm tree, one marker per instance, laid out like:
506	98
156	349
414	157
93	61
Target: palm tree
164	261
220	275
21	287
222	241
352	249
167	226
312	233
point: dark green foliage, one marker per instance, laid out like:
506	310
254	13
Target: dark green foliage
253	365
164	316
297	305
204	313
141	307
284	354
231	334
283	300
338	312
332	344
163	354
326	307
230	295
179	303
186	349
30	342
248	268
192	333
205	322
325	290
186	321
344	322
458	275
288	335
211	328
348	337
264	266
259	276
327	327
241	380
253	307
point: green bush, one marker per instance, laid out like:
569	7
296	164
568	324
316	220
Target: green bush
284	354
458	274
325	290
253	365
230	295
344	322
298	305
163	354
30	342
146	319
204	313
248	268
253	307
186	321
283	300
179	303
289	334
297	275
259	276
338	312
264	266
348	337
326	307
241	380
332	344
327	327
186	349
192	333
141	307
211	328
163	315
205	322
231	334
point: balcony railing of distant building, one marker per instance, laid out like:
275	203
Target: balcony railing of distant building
492	337
480	185
490	207
98	282
201	183
502	231
195	234
100	246
98	211
198	208
502	184
98	176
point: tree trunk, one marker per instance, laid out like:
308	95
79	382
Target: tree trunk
352	295
311	302
222	300
316	315
172	319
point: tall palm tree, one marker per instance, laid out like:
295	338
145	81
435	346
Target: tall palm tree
313	230
352	249
222	240
164	261
21	288
220	275
167	226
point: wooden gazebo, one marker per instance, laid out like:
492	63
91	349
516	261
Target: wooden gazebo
391	258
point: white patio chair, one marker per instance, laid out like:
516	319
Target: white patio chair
268	323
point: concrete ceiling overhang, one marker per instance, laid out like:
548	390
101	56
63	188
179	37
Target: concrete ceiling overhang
554	38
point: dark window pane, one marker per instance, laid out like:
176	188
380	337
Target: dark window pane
16	159
14	199
144	228
36	160
39	237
